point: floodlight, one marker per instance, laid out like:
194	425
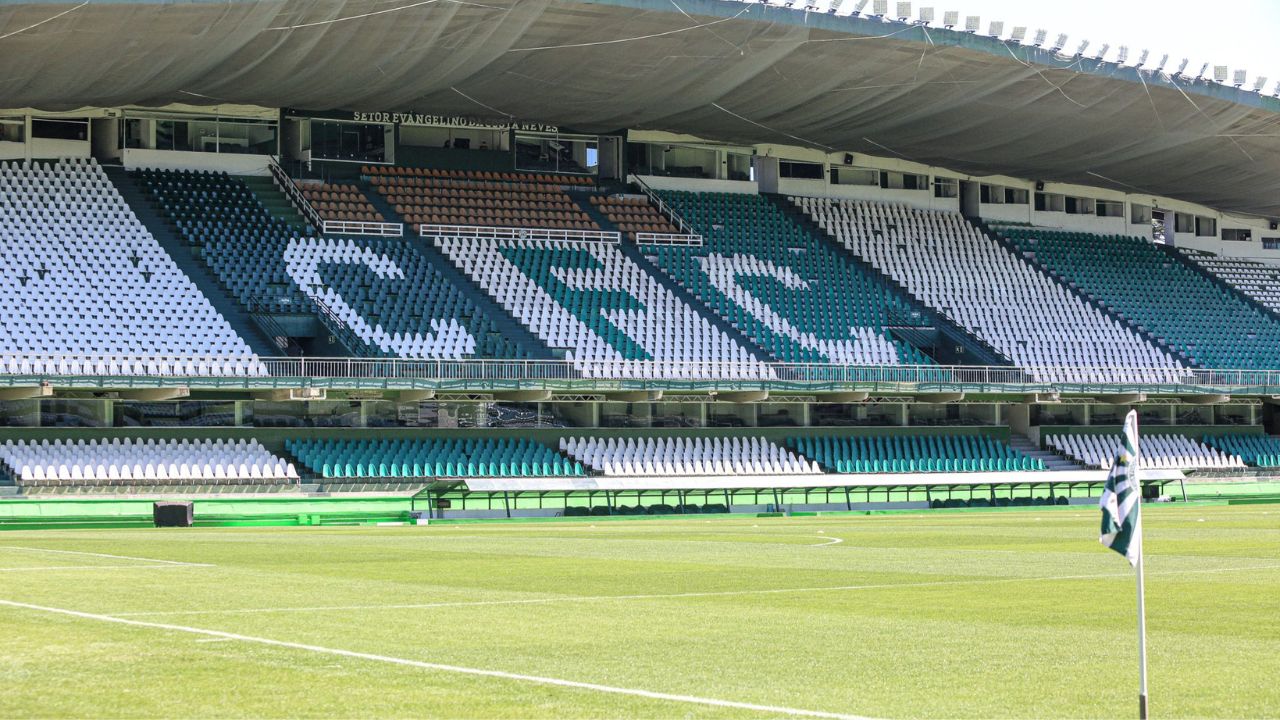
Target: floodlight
1103	52
880	8
1182	66
926	15
1142	59
1164	59
1239	77
1220	73
1124	55
1259	83
1060	43
1041	35
996	28
834	6
1019	33
811	5
904	11
862	5
950	19
1084	45
1276	91
1203	69
972	23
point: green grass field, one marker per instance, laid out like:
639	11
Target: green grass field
967	614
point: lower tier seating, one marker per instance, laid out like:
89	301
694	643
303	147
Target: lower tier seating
83	283
594	302
1257	450
914	453
435	457
685	456
788	290
1175	452
132	461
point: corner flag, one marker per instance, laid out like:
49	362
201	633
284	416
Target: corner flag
1122	497
1122	531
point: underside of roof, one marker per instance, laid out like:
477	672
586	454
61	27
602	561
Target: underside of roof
726	71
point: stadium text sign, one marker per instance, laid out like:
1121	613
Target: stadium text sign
407	118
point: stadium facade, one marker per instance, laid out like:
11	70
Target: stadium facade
548	257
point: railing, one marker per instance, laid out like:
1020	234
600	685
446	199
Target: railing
672	215
29	370
280	338
290	189
345	335
668	239
357	227
473	232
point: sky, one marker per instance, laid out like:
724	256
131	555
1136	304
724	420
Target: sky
1236	33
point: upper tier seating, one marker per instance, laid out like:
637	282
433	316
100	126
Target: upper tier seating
454	197
1210	324
1257	280
385	291
633	215
1155	451
82	277
339	202
685	456
914	453
786	289
1258	450
591	299
951	266
435	457
138	462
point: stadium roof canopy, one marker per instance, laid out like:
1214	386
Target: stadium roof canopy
726	71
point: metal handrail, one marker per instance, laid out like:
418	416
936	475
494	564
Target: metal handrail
290	189
707	374
476	232
665	209
668	239
361	227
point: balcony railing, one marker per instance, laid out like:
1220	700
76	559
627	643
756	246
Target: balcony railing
603	376
475	232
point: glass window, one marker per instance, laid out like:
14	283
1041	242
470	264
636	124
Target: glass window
68	412
1237	234
1110	208
354	142
184	413
19	413
316	413
557	153
944	187
855	176
60	128
13	129
1139	214
799	170
1016	196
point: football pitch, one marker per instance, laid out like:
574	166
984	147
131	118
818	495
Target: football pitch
936	614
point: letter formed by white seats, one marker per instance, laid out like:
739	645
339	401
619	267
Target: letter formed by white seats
303	258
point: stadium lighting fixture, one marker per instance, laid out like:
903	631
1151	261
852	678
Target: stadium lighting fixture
1124	55
996	28
1084	45
1019	33
1239	77
1041	36
1259	83
1102	53
972	23
880	8
1220	73
1142	59
950	19
926	15
1276	91
1060	43
1182	67
1164	60
1203	69
857	9
904	11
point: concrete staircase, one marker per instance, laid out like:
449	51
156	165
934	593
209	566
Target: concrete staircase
274	199
1052	460
184	256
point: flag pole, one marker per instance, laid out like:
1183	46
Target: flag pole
1142	602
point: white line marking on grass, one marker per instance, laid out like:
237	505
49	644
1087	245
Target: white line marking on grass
103	567
480	672
830	541
678	596
102	555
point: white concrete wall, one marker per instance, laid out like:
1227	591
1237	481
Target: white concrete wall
233	163
660	182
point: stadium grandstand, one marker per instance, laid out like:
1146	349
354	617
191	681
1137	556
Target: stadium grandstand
534	271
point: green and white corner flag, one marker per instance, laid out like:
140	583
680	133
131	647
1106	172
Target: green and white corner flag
1121	499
